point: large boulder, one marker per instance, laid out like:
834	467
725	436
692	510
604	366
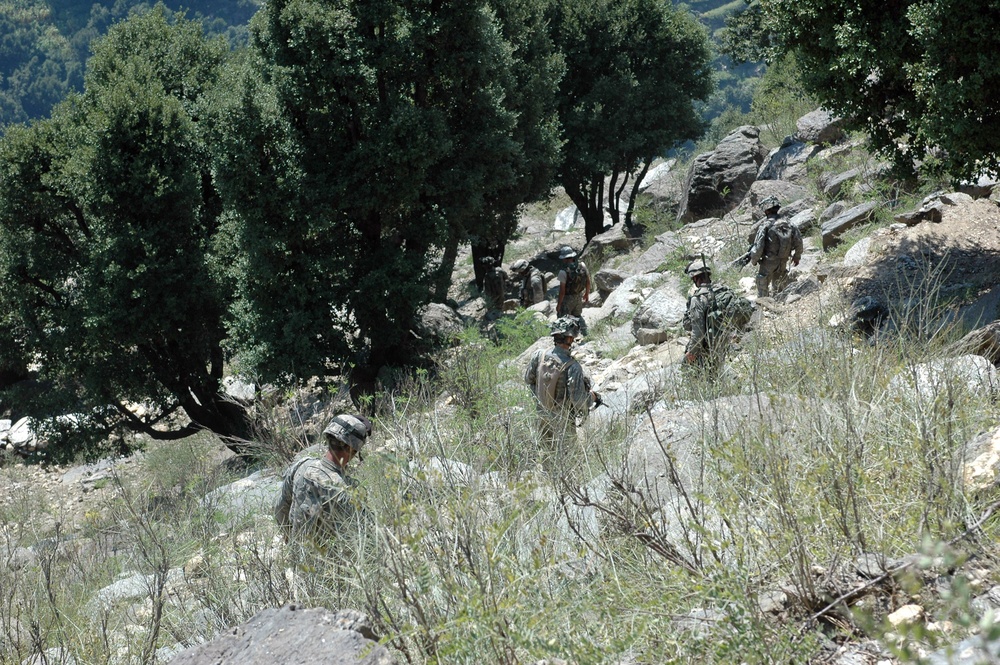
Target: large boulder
788	162
439	323
819	126
607	280
719	180
974	374
651	260
615	240
625	300
660	314
662	184
293	636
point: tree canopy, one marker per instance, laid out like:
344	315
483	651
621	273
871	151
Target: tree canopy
108	215
633	69
917	75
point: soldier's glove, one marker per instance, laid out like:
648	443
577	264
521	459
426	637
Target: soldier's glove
597	399
743	261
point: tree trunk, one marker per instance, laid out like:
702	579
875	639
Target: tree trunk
584	200
482	249
442	281
635	191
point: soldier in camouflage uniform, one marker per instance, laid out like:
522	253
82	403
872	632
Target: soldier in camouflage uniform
494	284
562	389
776	242
574	284
705	348
532	289
315	493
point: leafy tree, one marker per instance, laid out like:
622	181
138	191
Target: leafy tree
893	69
108	215
633	68
391	140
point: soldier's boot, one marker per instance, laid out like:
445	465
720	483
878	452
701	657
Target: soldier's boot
763	279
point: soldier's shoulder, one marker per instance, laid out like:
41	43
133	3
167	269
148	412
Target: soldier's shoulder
322	473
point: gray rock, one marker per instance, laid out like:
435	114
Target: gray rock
651	260
798	289
857	255
834	228
982	187
782	190
439	323
615	240
661	183
20	434
53	656
625	300
662	312
788	162
975	650
567	219
446	472
607	280
804	221
256	493
832	210
975	374
983	341
718	180
239	389
819	126
293	636
833	185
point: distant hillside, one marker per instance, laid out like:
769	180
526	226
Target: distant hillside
44	44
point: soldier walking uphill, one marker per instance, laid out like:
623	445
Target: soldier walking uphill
562	389
776	242
315	497
494	284
574	284
714	314
532	280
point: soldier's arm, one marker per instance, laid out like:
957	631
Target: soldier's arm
578	392
531	372
758	245
698	331
796	245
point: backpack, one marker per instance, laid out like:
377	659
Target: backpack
729	310
779	240
550	368
576	278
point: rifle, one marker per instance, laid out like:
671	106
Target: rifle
742	261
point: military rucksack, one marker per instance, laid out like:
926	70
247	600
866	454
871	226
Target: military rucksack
729	310
779	240
550	368
576	278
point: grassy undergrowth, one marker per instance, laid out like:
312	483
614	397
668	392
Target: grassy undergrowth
477	545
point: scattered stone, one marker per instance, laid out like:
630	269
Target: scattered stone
832	211
439	323
239	389
300	636
788	162
833	185
660	314
819	126
834	228
857	255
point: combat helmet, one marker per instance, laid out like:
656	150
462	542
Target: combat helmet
770	203
519	266
566	326
698	267
350	430
567	252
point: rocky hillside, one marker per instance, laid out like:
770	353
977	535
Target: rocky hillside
828	499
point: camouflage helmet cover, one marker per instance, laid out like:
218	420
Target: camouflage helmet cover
770	203
567	252
566	326
698	267
519	266
349	429
488	261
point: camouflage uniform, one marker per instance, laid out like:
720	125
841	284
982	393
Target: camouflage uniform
706	348
572	395
767	252
315	499
495	286
532	285
572	304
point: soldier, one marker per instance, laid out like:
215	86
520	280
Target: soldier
532	281
706	345
494	284
562	389
574	284
315	493
776	242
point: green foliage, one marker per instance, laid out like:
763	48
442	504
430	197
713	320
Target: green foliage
371	169
633	68
108	215
893	70
779	100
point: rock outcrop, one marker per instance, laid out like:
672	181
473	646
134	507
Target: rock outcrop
718	180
